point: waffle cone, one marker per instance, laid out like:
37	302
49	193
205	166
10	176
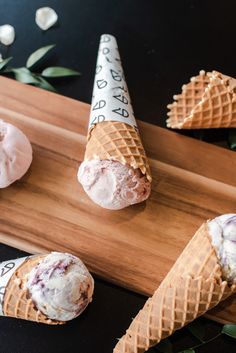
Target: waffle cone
17	302
207	101
193	286
119	142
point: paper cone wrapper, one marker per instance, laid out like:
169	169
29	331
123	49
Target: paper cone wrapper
15	298
113	132
207	101
193	286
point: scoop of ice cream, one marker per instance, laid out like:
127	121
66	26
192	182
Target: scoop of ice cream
223	233
60	286
15	154
113	185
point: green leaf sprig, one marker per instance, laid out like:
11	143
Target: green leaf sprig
26	74
229	330
232	139
37	55
4	62
198	331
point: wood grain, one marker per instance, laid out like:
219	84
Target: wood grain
48	209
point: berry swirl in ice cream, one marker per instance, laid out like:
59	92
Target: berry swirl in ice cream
60	286
223	233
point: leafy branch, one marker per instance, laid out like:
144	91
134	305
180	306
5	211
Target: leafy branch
26	74
197	330
232	139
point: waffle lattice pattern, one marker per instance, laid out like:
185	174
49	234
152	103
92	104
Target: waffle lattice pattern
117	141
17	302
208	101
193	286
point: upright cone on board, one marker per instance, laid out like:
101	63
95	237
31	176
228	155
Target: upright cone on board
193	286
207	101
15	299
113	133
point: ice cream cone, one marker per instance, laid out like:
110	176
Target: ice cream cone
120	142
113	132
16	301
193	286
207	101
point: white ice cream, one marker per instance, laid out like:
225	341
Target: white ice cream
113	185
223	233
15	154
61	286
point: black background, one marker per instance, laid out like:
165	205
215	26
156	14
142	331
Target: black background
162	44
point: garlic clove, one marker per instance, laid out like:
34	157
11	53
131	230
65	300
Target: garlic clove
45	17
7	34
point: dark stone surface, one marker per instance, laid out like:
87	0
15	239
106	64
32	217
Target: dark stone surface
162	44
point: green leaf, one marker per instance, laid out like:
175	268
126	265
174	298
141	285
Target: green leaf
24	75
59	71
232	139
165	346
38	54
4	62
197	330
42	83
190	350
229	330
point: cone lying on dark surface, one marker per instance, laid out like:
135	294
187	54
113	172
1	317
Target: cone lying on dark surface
207	101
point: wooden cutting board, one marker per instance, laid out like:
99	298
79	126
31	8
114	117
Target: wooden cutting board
48	209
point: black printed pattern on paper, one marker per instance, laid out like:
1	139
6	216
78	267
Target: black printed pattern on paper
111	101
